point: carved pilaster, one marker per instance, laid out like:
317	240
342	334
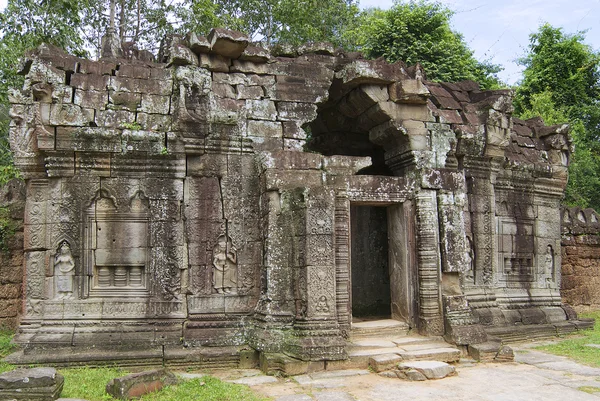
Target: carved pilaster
342	262
428	260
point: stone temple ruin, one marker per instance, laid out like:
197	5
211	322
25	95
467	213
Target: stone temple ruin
232	196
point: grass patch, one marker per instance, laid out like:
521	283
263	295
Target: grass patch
6	347
90	384
589	389
206	389
574	346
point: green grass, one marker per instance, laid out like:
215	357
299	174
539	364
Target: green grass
90	383
574	346
6	348
589	389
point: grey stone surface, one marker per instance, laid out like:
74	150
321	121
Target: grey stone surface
35	384
256	380
475	381
431	369
333	396
294	397
167	192
383	362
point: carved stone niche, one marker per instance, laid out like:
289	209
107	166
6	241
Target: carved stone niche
116	247
515	251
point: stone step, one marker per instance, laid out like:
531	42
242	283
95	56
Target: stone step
379	328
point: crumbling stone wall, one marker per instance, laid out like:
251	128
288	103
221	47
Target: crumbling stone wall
185	203
12	203
580	286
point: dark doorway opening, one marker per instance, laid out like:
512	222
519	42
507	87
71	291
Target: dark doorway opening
371	296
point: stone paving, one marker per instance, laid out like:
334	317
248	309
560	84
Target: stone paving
533	376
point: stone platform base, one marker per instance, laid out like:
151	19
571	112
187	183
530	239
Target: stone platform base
520	333
150	356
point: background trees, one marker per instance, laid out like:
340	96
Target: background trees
561	83
419	32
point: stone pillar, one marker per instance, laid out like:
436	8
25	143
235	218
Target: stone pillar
428	261
38	279
342	259
482	207
316	335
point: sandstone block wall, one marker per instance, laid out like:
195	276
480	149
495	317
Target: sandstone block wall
581	258
12	201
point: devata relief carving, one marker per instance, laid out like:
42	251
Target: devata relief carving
225	275
183	203
64	271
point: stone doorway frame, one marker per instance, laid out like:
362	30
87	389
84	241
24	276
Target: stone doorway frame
364	190
401	256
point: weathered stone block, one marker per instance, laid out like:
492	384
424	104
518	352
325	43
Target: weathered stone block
124	100
91	99
382	362
155	104
199	44
297	112
250	92
114	118
264	129
227	43
250	67
214	62
181	55
90	82
261	110
154	122
138	384
36	384
255	54
224	90
430	369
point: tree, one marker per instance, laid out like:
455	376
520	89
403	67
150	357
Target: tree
419	32
270	21
561	83
24	24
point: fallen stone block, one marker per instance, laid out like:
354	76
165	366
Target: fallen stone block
430	369
390	374
37	384
411	374
491	351
379	363
137	384
227	43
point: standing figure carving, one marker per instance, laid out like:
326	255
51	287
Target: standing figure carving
549	260
64	271
224	266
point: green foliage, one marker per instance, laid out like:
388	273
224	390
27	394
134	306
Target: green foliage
87	383
563	66
6	347
8	227
561	83
207	389
589	389
419	32
90	384
291	21
134	126
575	348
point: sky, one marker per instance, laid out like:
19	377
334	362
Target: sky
498	30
